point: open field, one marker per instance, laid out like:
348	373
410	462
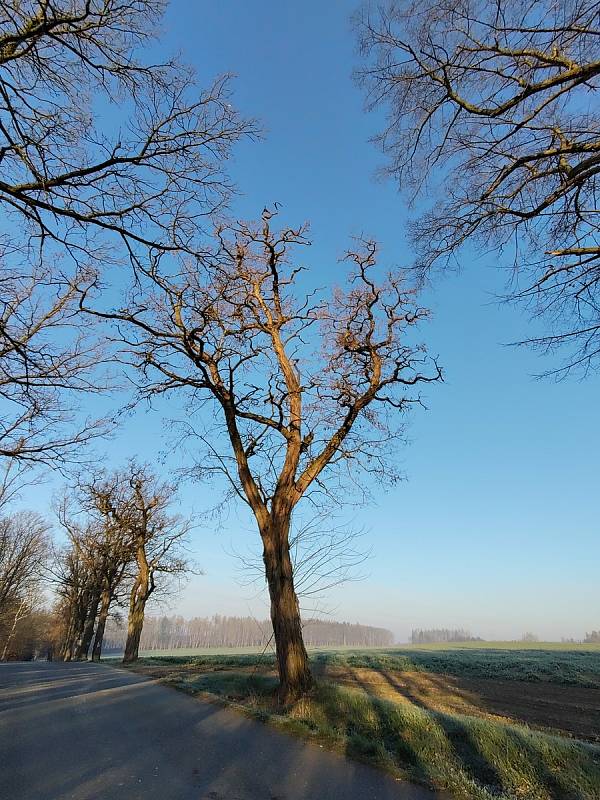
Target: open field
501	722
566	664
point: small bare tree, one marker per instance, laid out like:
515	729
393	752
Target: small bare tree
493	107
24	551
303	389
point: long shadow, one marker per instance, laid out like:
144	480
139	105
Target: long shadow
468	749
464	746
461	744
360	738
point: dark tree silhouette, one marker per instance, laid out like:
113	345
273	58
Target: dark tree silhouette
492	120
105	157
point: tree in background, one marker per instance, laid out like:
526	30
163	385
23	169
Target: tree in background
120	538
492	111
304	389
137	505
81	575
175	632
24	553
438	635
106	550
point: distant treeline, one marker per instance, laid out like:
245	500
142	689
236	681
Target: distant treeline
173	633
421	636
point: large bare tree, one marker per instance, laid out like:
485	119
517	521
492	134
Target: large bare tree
105	156
493	124
303	389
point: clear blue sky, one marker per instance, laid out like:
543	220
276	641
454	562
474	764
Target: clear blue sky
497	527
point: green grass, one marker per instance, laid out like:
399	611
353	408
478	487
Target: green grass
575	667
471	757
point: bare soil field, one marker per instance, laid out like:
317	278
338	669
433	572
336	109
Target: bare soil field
569	710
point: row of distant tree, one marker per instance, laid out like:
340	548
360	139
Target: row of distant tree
437	635
175	632
433	635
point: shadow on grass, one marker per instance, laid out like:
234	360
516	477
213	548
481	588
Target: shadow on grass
472	757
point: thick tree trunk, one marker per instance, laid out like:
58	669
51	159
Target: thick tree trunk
102	617
292	660
140	593
74	632
83	645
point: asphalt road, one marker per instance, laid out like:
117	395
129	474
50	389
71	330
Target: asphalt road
92	732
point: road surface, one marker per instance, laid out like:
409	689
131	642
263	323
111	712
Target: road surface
91	732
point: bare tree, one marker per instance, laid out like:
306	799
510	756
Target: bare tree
104	157
492	108
80	574
24	550
137	505
71	176
302	389
47	358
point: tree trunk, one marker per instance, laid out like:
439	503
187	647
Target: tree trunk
102	617
74	632
137	604
83	645
292	660
19	615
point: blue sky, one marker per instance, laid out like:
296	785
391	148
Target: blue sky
496	527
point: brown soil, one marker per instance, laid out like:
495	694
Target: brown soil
569	710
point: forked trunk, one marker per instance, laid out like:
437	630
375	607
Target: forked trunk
292	660
102	617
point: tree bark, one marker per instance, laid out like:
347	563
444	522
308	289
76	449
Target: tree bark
76	623
83	645
142	589
102	617
292	660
